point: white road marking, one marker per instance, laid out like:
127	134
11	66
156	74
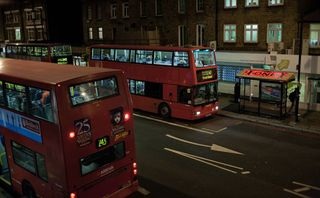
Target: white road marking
304	188
301	189
143	191
295	193
213	147
215	131
306	185
245	172
207	161
173	124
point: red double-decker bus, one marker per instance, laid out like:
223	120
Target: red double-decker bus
65	131
46	52
173	81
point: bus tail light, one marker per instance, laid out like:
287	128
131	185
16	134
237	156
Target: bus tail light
72	134
73	195
126	116
134	169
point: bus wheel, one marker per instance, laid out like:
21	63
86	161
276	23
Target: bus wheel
27	190
164	110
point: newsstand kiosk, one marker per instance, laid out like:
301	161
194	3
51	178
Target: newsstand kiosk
263	92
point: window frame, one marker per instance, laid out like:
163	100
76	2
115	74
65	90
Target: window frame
125	10
230	30
199	6
275	32
252	30
251	3
229	5
113	11
181	6
275	3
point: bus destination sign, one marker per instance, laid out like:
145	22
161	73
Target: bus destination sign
205	75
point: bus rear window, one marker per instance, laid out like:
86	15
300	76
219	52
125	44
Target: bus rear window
93	90
101	158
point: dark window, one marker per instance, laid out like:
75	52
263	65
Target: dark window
29	160
185	95
101	158
149	89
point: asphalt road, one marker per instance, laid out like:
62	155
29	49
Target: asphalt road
246	159
223	157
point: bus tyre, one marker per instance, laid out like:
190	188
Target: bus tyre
164	110
27	190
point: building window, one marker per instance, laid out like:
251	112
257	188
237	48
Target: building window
18	34
275	2
182	35
199	34
143	8
100	30
274	32
113	9
39	34
16	16
230	33
199	6
89	13
252	3
125	8
230	3
38	15
31	34
90	34
10	34
158	4
181	6
315	35
9	18
251	33
29	16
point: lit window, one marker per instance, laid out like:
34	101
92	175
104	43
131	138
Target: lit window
275	2
251	33
18	34
90	34
199	5
315	35
252	3
100	30
230	3
230	33
274	32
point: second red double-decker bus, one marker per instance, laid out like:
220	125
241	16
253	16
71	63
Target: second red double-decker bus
173	81
65	131
46	52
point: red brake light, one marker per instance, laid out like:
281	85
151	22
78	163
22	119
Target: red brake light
72	134
126	116
135	170
73	195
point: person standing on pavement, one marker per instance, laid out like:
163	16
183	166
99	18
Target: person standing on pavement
293	98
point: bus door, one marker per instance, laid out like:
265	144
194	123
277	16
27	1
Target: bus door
4	168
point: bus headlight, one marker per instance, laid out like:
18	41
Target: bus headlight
197	113
217	108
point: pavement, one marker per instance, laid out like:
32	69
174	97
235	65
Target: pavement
308	122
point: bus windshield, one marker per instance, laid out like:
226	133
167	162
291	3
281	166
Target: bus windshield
204	58
93	90
205	93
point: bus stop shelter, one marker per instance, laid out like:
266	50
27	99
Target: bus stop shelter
263	92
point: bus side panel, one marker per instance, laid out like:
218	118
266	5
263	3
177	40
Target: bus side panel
52	161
